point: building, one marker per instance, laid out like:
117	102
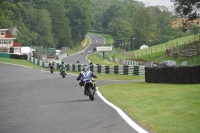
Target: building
7	43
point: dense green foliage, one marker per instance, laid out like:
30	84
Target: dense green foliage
128	19
52	23
188	8
65	23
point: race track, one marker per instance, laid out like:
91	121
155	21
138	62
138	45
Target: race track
34	101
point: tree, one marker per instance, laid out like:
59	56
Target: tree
80	16
188	8
110	14
39	20
120	28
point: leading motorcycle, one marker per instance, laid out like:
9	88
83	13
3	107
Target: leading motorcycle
90	88
51	68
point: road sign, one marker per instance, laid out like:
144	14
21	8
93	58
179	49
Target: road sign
109	48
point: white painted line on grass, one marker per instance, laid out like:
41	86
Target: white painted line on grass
123	115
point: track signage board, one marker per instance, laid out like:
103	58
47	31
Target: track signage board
108	48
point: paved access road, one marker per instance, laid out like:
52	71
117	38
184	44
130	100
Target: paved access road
33	101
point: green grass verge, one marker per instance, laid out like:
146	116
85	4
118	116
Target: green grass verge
79	47
19	62
164	46
96	59
163	108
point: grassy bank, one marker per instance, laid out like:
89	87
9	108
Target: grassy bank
19	62
152	53
163	108
80	47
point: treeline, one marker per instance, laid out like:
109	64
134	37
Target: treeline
65	23
128	19
52	23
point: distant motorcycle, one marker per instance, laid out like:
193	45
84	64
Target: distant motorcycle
63	73
51	68
90	86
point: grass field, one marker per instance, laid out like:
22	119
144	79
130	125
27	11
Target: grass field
162	108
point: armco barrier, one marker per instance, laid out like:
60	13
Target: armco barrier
120	69
174	75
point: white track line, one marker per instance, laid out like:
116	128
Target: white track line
123	115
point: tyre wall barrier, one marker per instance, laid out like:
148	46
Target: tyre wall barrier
173	75
16	56
120	69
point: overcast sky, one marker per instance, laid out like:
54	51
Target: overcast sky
166	3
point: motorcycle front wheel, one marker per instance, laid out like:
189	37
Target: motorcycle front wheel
91	94
51	70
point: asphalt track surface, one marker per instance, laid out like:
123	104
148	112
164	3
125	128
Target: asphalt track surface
34	101
82	57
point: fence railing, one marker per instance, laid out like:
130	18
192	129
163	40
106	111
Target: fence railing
172	46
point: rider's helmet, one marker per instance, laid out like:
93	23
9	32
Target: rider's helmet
62	62
50	63
85	68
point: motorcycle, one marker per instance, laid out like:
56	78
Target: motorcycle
90	88
63	73
51	68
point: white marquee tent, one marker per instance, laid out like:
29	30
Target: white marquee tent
143	46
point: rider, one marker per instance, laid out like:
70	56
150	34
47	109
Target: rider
51	64
62	66
86	74
78	62
91	64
